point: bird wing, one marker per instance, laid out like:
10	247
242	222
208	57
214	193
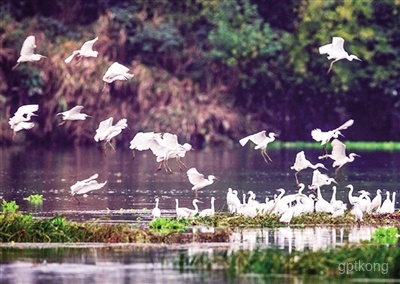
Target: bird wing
28	47
316	134
75	110
69	58
25	109
171	140
338	149
194	176
92	185
345	125
325	48
337	45
88	46
256	138
103	127
300	158
142	140
93	177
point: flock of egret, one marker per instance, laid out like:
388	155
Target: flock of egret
165	146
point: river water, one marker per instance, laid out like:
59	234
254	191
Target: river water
128	196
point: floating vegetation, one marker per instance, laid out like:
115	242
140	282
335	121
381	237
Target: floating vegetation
386	235
366	260
10	206
34	198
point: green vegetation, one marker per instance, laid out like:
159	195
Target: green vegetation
35	199
386	235
11	206
210	71
366	260
167	225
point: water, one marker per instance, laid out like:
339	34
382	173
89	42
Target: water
129	194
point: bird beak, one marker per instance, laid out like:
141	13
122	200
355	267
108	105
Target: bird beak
341	134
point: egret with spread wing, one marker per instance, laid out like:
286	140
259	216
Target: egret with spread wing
73	114
85	51
27	52
301	163
261	140
335	50
86	185
21	118
197	179
107	131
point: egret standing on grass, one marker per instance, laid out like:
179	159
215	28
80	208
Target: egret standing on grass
325	136
27	52
261	141
301	163
335	50
183	212
107	131
21	118
156	212
85	51
209	211
376	202
197	179
73	114
86	185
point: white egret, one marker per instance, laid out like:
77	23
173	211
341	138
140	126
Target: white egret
209	211
85	51
376	202
197	179
357	212
232	201
352	199
183	212
338	155
267	207
364	201
261	141
156	212
21	118
287	216
393	202
386	205
337	204
73	114
86	185
27	52
106	131
335	50
319	179
301	163
142	141
116	72
325	136
322	205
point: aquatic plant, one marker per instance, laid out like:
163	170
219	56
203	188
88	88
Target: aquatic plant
35	198
10	206
167	225
386	235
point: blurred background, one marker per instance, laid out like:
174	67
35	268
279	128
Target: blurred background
210	71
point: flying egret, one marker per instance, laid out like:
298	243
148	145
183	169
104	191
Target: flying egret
21	118
261	141
339	155
335	50
183	212
325	136
86	185
376	202
197	179
156	212
27	52
301	163
73	114
319	179
142	141
106	131
210	211
85	51
116	72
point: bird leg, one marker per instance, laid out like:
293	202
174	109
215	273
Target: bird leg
180	164
196	194
330	67
159	167
133	155
265	155
61	123
15	66
111	145
14	134
77	199
295	175
167	167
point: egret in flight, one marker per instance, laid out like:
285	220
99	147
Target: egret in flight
335	50
301	163
325	136
73	114
85	51
339	155
86	185
108	131
197	179
116	72
21	118
27	52
261	140
319	179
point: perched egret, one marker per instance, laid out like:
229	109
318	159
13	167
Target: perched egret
197	179
107	131
232	200
319	179
386	205
357	212
364	201
376	202
393	202
86	185
27	52
301	163
73	114
210	211
325	136
337	204
287	216
21	118
183	212
156	212
322	205
338	155
85	51
116	72
352	199
261	140
335	50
